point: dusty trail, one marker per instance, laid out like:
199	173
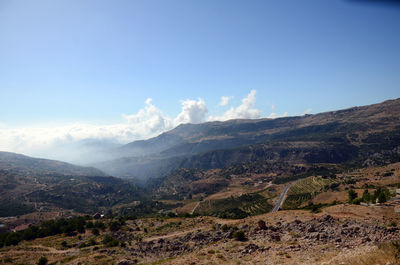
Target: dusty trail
195	207
175	234
43	249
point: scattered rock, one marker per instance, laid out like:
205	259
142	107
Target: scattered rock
262	225
275	237
250	248
126	262
244	227
317	231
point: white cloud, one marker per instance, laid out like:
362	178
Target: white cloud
273	107
224	101
192	112
70	142
148	121
245	110
66	142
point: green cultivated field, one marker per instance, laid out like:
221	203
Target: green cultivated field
306	189
235	207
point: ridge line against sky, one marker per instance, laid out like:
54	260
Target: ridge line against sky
148	122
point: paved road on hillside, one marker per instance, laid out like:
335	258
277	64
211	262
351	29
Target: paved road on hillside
282	197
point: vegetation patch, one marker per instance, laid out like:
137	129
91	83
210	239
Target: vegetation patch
380	195
306	189
10	207
235	207
49	228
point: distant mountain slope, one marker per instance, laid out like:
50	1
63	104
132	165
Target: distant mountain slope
20	162
30	184
367	134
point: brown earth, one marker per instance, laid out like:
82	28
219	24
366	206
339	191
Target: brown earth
340	234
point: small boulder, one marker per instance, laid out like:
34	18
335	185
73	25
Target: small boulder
311	229
262	225
297	221
275	237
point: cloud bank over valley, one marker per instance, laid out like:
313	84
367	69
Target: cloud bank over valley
77	142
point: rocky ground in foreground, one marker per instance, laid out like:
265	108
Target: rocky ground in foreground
342	234
284	238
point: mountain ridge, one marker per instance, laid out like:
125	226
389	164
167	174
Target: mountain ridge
335	136
30	185
23	162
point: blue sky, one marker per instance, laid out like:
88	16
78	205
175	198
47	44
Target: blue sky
97	62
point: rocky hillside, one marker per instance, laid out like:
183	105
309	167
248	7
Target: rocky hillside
335	236
360	136
22	163
31	185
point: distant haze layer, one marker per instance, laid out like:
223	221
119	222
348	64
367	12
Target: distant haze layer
80	142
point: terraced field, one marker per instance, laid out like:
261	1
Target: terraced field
306	189
235	207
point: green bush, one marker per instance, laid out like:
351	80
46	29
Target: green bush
171	214
95	231
13	238
381	198
99	225
382	194
82	245
89	224
366	197
357	201
396	246
8	260
64	244
388	174
92	242
42	261
115	226
352	195
239	235
316	208
109	241
225	228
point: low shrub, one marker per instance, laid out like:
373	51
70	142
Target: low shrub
239	235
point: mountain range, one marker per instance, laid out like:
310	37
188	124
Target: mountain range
197	160
363	135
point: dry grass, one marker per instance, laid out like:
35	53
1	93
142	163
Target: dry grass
224	252
228	192
187	208
385	254
330	197
229	252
